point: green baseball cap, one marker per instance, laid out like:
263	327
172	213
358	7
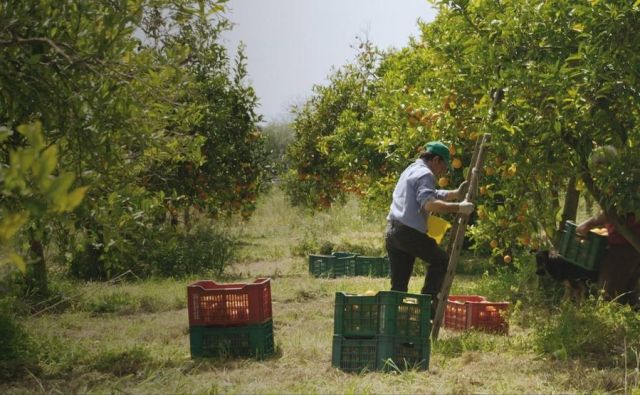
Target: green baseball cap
438	148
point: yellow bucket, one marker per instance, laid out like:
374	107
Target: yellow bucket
437	227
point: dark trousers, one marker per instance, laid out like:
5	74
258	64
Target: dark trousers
403	245
619	274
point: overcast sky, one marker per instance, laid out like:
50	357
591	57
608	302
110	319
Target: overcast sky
292	44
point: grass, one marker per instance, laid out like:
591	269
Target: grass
132	337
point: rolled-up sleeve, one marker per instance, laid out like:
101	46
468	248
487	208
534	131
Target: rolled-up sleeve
426	190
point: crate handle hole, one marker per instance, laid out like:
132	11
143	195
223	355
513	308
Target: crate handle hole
410	301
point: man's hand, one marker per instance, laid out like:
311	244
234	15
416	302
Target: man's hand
461	192
465	207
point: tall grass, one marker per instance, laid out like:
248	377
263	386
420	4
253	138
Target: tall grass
278	230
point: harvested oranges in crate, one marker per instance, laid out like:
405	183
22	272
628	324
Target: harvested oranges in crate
475	312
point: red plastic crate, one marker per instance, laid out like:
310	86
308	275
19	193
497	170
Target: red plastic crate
212	304
475	312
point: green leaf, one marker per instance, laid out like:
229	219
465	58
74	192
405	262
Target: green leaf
10	225
33	133
57	191
4	133
75	197
45	165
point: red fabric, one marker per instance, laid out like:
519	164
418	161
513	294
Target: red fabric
616	238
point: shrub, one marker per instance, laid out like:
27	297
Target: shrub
597	329
163	251
205	249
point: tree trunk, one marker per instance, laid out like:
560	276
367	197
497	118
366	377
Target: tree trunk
187	219
39	275
571	199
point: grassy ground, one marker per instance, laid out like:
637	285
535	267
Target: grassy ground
133	337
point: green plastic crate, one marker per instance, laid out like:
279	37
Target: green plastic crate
585	252
339	264
389	313
234	341
321	265
372	266
386	353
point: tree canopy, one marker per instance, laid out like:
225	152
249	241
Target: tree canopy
554	82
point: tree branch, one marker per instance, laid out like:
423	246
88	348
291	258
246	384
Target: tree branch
18	41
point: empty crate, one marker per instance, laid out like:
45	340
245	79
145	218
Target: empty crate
339	264
372	266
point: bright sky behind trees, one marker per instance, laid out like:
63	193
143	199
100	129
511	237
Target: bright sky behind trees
293	44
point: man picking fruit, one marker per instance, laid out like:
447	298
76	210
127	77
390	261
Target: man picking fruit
414	197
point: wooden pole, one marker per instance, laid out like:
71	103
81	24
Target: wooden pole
459	226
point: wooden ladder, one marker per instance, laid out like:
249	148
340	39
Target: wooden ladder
458	230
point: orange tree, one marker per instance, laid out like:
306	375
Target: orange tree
126	96
541	77
231	167
322	168
567	91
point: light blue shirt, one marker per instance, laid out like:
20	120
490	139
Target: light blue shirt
416	186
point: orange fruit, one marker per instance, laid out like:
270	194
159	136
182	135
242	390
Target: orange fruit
493	243
483	190
481	212
457	163
426	120
443	182
507	259
452	149
490	171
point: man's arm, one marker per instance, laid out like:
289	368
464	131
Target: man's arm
457	194
593	222
440	206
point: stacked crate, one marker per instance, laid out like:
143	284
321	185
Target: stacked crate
585	252
231	320
343	264
386	331
475	312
